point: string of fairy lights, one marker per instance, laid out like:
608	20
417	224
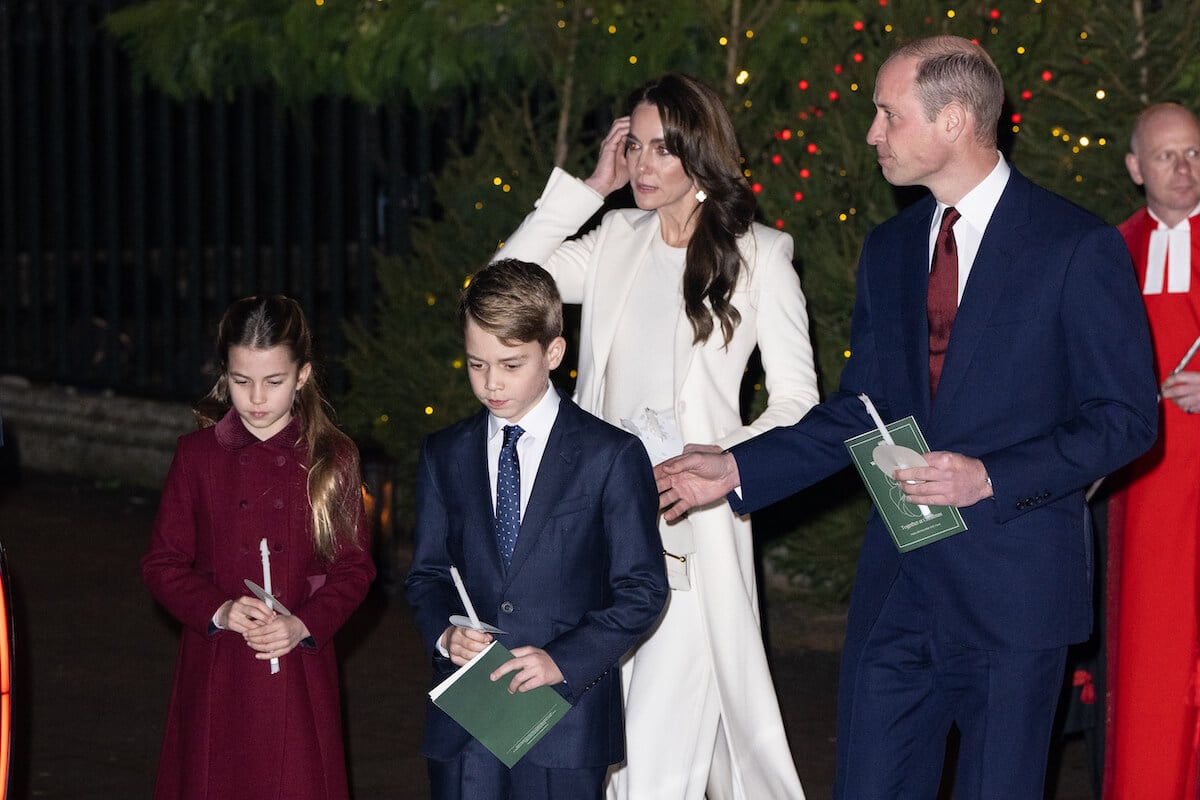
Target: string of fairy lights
831	96
827	95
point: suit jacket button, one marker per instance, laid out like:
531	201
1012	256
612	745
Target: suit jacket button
506	607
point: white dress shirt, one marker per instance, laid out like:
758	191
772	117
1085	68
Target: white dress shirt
536	423
976	207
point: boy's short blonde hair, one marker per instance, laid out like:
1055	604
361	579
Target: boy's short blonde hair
515	301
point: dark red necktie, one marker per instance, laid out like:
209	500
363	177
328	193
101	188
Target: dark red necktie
942	302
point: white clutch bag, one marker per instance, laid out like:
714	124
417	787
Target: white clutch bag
660	436
679	549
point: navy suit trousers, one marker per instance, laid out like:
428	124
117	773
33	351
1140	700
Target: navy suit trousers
478	775
909	688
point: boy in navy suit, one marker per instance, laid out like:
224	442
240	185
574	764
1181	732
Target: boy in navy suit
550	516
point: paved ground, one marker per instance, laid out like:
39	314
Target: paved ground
95	659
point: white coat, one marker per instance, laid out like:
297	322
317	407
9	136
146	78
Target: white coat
597	270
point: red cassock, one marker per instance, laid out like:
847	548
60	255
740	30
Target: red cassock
1154	527
233	729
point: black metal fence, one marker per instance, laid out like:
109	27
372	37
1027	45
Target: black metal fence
128	221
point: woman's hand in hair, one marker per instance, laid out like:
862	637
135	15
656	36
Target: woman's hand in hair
610	173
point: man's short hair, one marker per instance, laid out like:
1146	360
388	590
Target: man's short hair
515	301
952	69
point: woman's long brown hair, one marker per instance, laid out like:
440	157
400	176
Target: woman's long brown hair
697	129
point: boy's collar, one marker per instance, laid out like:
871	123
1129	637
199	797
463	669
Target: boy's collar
537	420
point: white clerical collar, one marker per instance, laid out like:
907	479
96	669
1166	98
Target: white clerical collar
1176	270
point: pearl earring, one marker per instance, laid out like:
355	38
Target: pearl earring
701	196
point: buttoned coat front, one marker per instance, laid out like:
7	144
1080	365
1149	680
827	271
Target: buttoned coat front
233	729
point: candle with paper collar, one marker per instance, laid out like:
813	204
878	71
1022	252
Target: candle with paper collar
266	562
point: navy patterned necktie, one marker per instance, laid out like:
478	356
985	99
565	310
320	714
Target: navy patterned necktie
508	494
942	302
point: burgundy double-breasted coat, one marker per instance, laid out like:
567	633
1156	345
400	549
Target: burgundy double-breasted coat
233	729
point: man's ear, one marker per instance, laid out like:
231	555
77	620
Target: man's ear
555	352
1135	169
954	121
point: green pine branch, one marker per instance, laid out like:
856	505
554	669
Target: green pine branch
537	82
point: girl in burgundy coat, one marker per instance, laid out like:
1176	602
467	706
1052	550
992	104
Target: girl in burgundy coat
267	465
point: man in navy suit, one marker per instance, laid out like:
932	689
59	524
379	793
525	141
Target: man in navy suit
1045	385
573	574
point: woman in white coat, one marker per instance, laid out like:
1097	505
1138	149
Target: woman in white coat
676	295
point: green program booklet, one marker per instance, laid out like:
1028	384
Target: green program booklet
507	724
910	528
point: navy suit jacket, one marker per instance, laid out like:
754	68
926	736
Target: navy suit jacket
585	582
1048	380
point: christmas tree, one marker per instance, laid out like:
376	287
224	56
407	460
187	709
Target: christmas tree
535	83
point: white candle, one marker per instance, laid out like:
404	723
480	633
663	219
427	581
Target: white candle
266	562
466	599
873	413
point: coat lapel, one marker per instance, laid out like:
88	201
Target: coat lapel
988	287
625	254
473	473
912	322
555	474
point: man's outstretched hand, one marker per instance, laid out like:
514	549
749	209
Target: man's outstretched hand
703	474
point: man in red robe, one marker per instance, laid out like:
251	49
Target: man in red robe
1155	514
